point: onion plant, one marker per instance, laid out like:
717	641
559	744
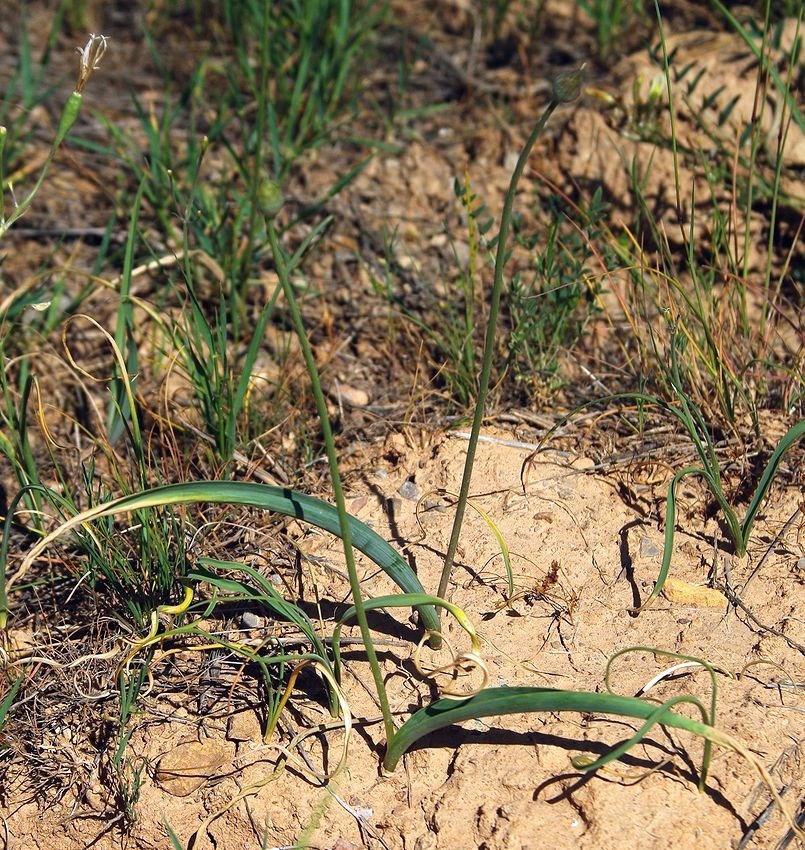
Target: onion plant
451	709
91	55
249	585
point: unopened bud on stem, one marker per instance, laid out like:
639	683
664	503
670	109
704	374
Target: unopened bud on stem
269	197
566	87
91	55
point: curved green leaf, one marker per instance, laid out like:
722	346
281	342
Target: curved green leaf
280	500
261	592
795	433
402	600
670	523
500	701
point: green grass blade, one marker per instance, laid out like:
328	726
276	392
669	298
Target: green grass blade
267	497
670	522
8	700
766	63
797	432
264	594
500	701
174	839
402	600
120	413
491	329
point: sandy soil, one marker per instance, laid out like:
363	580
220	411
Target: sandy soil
581	558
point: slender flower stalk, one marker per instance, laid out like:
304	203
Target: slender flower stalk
91	54
270	197
566	88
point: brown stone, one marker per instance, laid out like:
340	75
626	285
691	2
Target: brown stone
185	769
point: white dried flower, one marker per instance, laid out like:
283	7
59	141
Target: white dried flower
91	55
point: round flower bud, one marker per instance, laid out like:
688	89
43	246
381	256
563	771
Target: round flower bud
566	87
269	197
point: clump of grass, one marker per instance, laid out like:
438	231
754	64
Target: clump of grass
708	469
545	308
708	466
549	309
290	84
734	318
135	567
612	19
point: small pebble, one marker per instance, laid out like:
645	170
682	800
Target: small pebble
349	395
243	726
409	491
250	620
648	548
188	766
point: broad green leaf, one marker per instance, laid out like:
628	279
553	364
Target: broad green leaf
499	701
277	499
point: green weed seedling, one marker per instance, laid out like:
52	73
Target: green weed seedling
221	378
15	443
451	328
550	308
544	308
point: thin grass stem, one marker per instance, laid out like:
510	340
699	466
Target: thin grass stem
489	345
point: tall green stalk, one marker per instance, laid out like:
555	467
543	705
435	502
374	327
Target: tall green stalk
566	88
332	459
